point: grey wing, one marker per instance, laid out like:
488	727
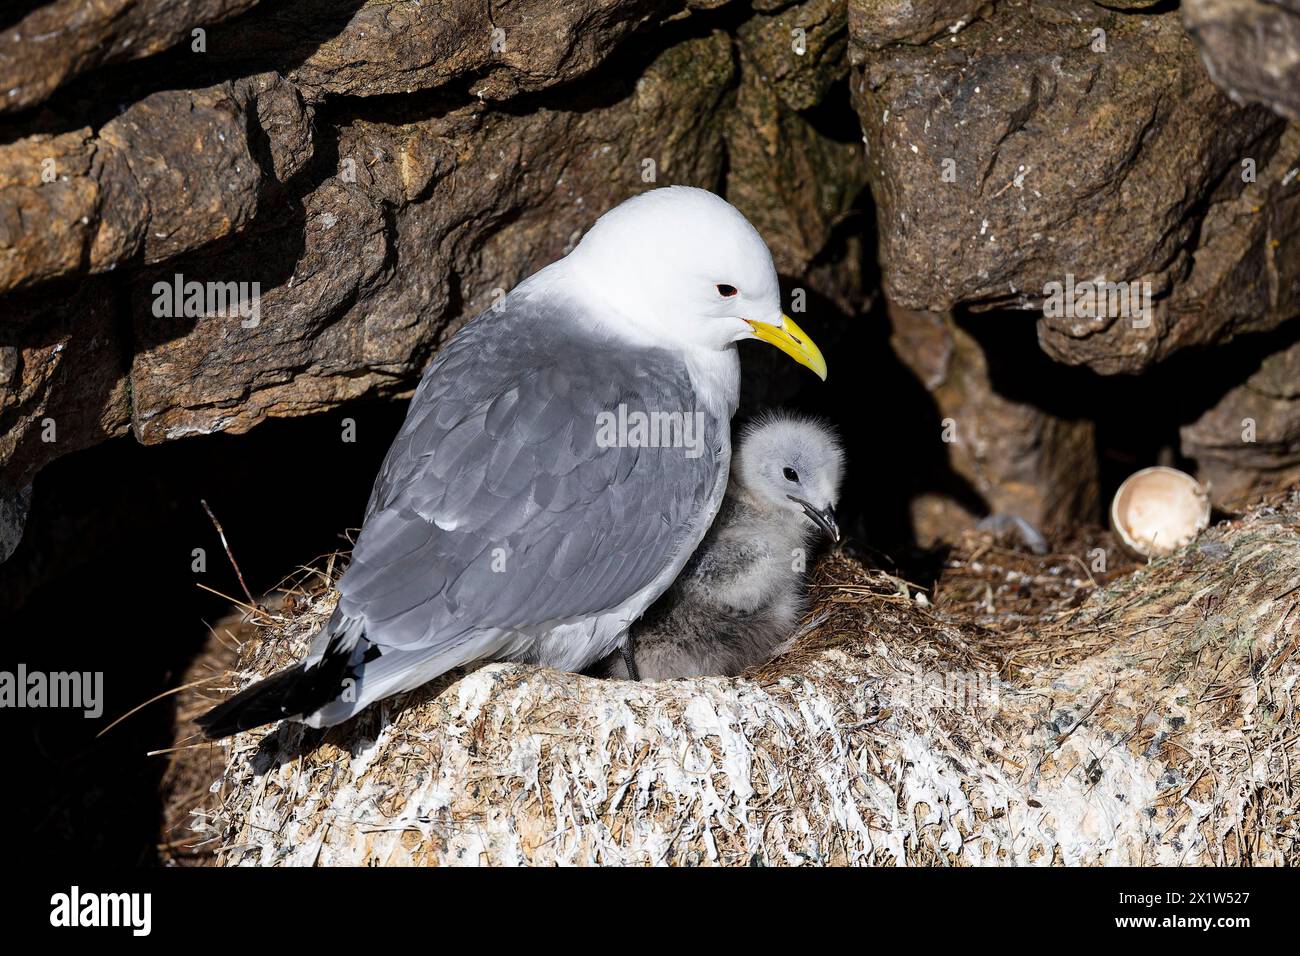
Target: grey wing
496	506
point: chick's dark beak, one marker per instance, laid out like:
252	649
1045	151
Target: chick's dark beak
823	518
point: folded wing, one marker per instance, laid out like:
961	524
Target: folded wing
497	507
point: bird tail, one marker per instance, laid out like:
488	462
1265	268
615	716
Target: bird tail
293	692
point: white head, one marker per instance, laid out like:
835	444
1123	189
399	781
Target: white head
682	268
793	465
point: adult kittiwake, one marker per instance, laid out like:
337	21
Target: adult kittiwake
561	459
741	593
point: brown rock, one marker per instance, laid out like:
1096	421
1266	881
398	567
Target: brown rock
1242	276
878	23
225	370
1020	459
62	378
50	203
1128	4
58	41
798	51
1251	48
443	214
173	172
1249	442
794	182
498	50
1016	151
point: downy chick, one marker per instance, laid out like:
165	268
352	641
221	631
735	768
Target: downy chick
743	591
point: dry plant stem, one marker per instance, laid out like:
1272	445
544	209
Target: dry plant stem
230	555
1144	718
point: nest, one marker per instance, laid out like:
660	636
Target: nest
1026	710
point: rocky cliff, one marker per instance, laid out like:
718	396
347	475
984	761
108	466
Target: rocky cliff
373	173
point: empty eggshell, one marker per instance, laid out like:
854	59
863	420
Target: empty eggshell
1158	510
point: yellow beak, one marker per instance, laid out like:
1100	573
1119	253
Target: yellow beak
791	340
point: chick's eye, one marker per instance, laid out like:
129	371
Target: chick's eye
726	291
790	474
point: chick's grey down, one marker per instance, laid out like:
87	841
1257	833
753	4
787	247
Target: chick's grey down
741	594
501	526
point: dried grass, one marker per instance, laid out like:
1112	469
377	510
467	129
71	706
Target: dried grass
1032	711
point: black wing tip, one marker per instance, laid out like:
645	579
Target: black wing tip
287	693
263	703
219	722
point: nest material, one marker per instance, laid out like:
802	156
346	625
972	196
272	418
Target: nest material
1041	715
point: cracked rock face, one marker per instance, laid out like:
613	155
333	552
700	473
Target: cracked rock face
1249	442
1019	459
175	171
59	41
1242	275
1049	140
400	166
365	276
497	51
1251	49
876	24
63	382
357	178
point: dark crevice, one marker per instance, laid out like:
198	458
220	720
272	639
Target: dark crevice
1137	417
102	581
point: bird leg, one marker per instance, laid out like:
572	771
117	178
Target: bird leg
630	659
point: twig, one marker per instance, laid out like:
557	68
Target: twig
166	693
233	563
233	600
172	750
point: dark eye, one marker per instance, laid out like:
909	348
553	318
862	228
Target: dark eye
790	474
726	291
